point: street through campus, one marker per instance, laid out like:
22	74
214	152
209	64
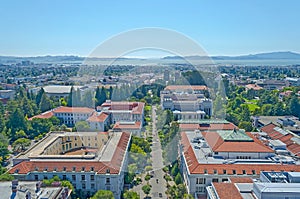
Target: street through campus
158	187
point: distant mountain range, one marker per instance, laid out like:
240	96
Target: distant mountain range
259	56
287	55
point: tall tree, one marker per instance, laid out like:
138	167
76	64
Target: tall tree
88	99
16	121
100	96
70	97
45	104
39	95
294	106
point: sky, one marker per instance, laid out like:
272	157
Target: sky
73	27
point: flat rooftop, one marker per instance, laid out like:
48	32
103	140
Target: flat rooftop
28	186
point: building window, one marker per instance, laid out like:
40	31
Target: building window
215	171
107	180
74	168
92	177
64	177
205	171
64	168
82	177
224	180
215	180
233	172
253	172
200	189
36	177
244	172
83	186
83	168
200	180
224	171
92	186
73	177
92	168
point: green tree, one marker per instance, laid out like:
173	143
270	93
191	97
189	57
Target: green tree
294	106
146	189
21	144
82	126
88	99
100	96
266	109
131	195
246	125
45	103
178	179
70	97
39	95
16	121
103	194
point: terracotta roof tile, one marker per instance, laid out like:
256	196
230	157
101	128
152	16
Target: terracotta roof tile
65	109
45	115
227	191
125	126
100	167
217	144
241	180
96	117
250	169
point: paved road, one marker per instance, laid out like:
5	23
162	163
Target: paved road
157	163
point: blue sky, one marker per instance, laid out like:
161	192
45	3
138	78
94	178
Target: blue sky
59	27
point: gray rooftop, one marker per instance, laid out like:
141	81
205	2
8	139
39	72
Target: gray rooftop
28	186
59	89
278	187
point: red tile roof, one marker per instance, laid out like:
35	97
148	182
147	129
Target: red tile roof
200	168
275	135
126	126
100	167
227	191
186	87
210	127
241	180
135	107
217	144
44	115
65	109
254	87
96	117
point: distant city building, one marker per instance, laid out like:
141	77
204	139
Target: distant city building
7	94
166	75
293	81
186	101
59	91
271	84
89	160
253	87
